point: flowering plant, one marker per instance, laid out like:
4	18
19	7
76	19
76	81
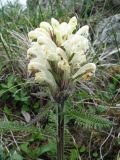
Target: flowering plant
58	59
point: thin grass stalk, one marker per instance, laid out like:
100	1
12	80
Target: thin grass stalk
60	139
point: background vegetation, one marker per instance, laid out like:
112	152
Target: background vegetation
27	115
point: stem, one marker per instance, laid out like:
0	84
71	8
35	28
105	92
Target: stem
60	139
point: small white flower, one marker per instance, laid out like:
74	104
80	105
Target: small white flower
65	67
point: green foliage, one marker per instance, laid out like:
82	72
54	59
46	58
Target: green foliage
74	154
88	120
6	126
35	152
82	149
1	152
15	94
15	89
16	156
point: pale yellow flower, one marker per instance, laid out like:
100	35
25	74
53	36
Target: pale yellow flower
43	32
61	53
73	23
36	65
49	48
64	65
57	55
63	30
47	27
83	31
44	76
55	23
35	51
78	59
76	44
87	68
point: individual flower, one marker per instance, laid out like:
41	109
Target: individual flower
75	44
83	31
44	76
63	30
86	69
58	55
47	27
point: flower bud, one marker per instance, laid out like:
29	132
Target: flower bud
73	23
55	23
83	31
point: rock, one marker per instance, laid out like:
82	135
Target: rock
116	2
107	33
108	30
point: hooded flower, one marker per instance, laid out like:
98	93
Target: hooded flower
44	76
63	30
86	69
75	44
58	56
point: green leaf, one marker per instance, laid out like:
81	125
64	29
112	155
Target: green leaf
95	154
101	108
50	147
24	147
16	156
7	110
4	85
92	109
118	141
15	126
74	154
2	91
82	149
88	120
10	81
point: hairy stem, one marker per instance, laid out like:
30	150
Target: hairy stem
60	139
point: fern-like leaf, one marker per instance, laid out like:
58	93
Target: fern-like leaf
88	120
15	126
